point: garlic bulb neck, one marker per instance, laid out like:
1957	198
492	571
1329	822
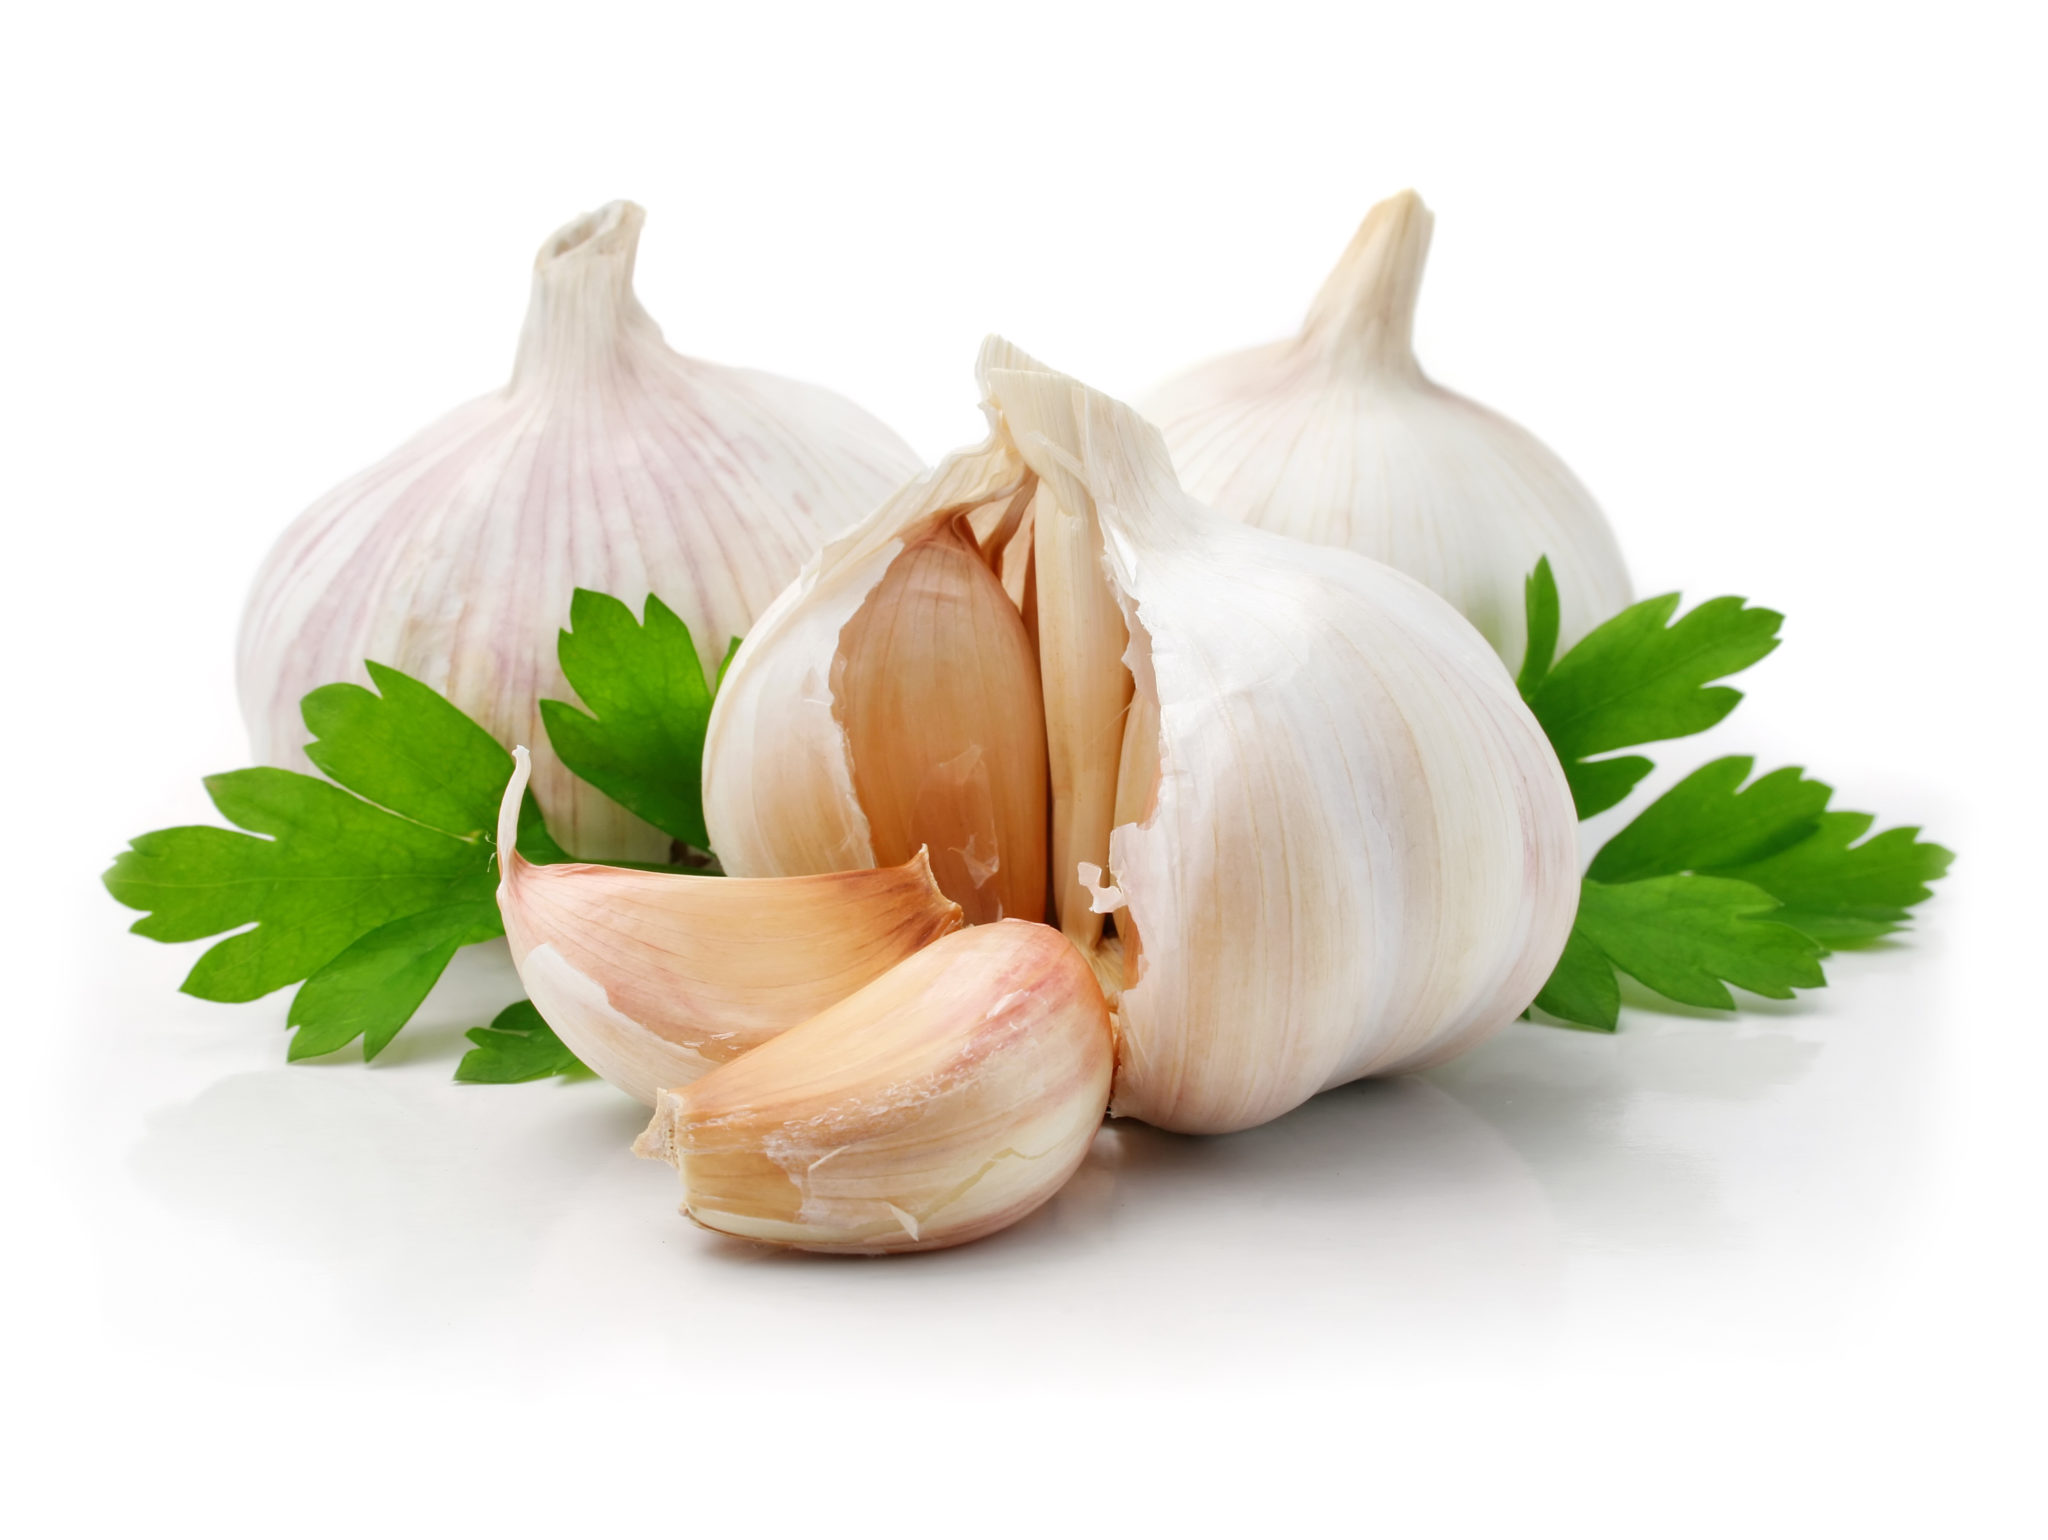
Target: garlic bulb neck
583	312
1365	311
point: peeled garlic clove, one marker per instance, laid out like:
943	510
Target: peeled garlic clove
947	1099
1337	437
892	699
655	978
1357	854
609	462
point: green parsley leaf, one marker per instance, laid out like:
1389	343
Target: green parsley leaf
1638	679
517	1046
333	868
1706	823
1693	890
1581	989
374	985
408	750
1539	603
1777	834
642	741
1684	936
1845	894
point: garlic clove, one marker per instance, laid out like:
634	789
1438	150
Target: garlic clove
1337	437
783	776
654	978
608	462
947	1099
1354	852
936	686
1081	641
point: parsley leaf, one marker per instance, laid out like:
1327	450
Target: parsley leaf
1581	989
1844	894
372	987
1705	823
1539	602
333	868
1683	936
364	896
517	1046
642	741
1777	834
1710	881
409	750
1638	679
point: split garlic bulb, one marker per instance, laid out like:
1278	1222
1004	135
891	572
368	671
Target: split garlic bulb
1302	827
1336	436
609	462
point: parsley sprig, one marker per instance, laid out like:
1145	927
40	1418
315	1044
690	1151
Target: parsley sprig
361	887
1722	880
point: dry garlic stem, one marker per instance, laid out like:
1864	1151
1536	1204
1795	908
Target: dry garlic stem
943	1101
654	978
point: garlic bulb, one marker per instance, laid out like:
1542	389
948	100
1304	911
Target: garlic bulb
1336	436
1302	826
653	978
943	1101
609	462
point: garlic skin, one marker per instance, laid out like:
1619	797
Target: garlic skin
1336	436
609	462
1337	843
655	978
945	1100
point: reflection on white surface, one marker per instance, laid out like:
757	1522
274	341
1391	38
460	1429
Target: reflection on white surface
1693	1183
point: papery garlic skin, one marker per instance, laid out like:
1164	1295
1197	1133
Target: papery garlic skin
946	1100
1336	436
1341	844
609	462
655	978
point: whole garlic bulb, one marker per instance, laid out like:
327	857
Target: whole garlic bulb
1301	825
1337	436
609	462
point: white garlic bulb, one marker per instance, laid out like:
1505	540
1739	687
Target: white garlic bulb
1301	826
1337	436
609	462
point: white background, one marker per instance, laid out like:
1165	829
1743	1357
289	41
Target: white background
1770	278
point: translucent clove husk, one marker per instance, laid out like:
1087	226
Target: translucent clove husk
945	1100
655	978
1337	436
